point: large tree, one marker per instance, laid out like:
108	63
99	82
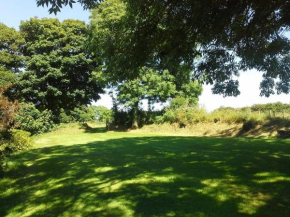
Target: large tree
58	71
150	85
216	39
154	86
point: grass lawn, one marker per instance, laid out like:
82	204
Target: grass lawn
71	172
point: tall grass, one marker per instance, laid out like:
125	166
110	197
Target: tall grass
188	116
234	116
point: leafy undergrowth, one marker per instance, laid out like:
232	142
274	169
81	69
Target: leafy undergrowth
76	172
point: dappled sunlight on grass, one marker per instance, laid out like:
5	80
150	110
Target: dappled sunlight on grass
135	174
271	177
226	189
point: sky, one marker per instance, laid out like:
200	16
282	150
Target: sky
12	12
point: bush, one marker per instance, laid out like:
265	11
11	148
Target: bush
169	116
64	118
196	115
159	119
8	110
32	120
19	140
3	150
182	112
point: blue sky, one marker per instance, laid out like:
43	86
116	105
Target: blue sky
13	11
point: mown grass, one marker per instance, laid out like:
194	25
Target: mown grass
74	172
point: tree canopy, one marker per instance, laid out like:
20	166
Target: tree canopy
10	46
216	39
58	70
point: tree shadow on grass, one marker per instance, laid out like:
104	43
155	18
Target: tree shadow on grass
89	129
151	176
96	130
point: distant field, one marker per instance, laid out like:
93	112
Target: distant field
73	172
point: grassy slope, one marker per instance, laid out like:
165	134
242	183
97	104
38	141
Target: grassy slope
74	173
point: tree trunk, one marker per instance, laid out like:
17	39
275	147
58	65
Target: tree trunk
135	116
149	105
115	109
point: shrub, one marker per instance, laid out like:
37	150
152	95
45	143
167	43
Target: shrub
159	119
32	120
8	110
196	115
64	118
169	116
20	140
3	145
182	112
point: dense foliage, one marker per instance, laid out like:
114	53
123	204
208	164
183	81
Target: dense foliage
6	77
11	41
58	70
